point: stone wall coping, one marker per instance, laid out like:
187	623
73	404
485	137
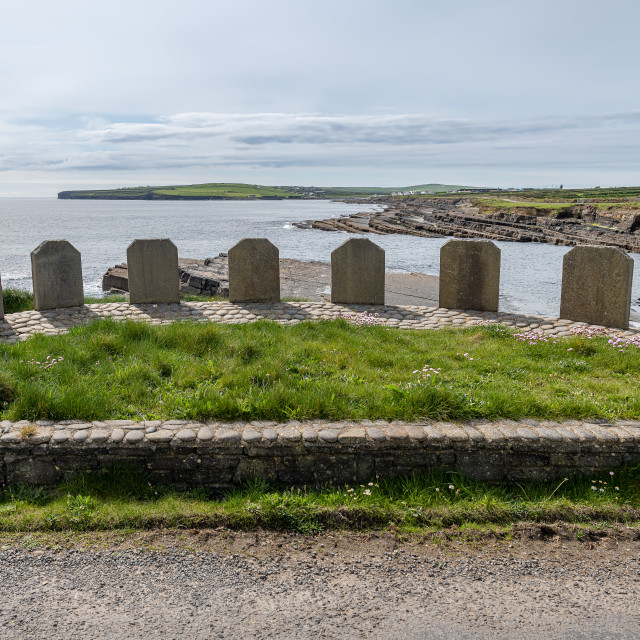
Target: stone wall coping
221	455
568	435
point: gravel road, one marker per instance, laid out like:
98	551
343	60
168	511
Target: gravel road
221	585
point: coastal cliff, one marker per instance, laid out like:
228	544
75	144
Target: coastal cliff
563	224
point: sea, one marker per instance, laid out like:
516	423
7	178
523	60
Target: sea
101	230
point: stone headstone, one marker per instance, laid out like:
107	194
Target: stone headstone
596	286
469	275
357	272
254	271
56	271
153	271
1	301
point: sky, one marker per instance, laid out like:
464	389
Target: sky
108	93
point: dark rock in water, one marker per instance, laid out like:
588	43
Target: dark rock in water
200	277
208	278
116	280
304	224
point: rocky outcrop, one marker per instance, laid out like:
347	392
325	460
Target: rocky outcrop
569	225
116	279
208	277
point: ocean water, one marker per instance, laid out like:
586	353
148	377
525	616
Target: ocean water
101	230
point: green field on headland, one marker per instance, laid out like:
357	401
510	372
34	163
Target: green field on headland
498	198
240	191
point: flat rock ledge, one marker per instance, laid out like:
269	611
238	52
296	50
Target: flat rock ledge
20	326
315	453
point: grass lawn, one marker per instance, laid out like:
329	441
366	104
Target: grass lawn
326	369
501	203
226	190
122	500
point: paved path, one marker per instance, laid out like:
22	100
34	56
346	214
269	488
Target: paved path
346	587
19	326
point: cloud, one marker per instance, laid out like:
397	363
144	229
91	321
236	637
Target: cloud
308	144
254	130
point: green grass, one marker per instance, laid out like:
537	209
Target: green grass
124	500
619	197
607	194
499	203
326	369
530	197
224	190
16	300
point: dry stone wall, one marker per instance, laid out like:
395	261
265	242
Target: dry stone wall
222	455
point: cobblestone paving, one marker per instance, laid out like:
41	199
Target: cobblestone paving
20	326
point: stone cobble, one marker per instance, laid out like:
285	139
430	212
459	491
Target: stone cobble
316	452
20	326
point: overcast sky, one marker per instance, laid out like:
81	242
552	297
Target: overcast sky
109	93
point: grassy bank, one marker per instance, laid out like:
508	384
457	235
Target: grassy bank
121	500
542	207
327	369
17	300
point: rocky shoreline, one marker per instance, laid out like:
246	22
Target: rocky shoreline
570	225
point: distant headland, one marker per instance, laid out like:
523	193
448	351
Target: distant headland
241	191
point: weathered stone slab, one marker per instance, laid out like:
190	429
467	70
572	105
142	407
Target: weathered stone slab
56	271
254	271
357	272
1	301
153	271
469	275
596	286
